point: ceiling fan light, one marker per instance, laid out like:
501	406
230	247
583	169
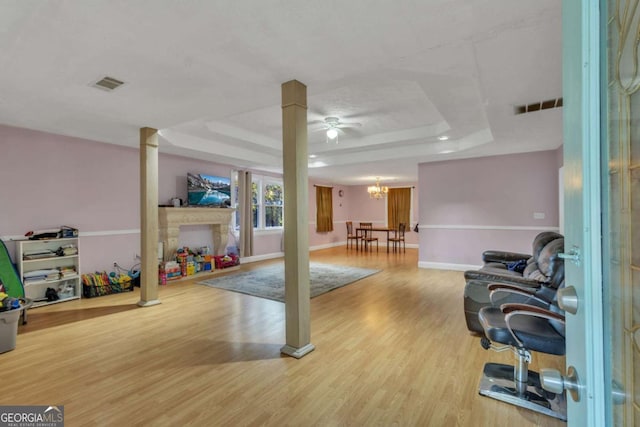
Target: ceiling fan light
332	133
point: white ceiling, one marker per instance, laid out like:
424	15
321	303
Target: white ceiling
208	74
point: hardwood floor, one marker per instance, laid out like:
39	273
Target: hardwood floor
391	349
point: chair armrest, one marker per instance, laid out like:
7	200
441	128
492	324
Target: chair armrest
494	277
512	310
503	257
511	287
530	310
527	296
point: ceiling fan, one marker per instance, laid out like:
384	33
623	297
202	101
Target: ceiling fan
331	126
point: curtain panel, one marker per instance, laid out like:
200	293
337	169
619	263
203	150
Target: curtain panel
324	209
399	207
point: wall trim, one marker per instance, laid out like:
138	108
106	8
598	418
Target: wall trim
327	246
108	232
13	237
489	227
447	266
263	257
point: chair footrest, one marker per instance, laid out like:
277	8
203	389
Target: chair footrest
498	383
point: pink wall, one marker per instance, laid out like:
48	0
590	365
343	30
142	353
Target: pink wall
365	209
55	180
468	206
52	180
340	215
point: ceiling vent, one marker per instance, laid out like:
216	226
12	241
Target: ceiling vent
537	106
108	83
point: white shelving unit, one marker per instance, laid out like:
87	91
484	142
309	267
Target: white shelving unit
36	290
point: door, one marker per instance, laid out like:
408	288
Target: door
621	211
581	98
601	77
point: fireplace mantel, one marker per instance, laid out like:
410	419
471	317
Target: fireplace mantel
170	219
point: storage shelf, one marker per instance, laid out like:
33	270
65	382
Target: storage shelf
28	261
36	290
42	282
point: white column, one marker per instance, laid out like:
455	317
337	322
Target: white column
149	217
296	219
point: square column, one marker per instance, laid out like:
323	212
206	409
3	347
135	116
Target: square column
296	219
148	217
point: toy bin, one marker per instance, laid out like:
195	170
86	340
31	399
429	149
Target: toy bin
224	261
8	329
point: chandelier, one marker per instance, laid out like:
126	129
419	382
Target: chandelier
376	191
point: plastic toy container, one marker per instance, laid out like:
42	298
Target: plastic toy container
8	329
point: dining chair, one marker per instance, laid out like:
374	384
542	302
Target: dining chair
351	236
398	237
367	235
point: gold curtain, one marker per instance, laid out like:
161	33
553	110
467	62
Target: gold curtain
324	209
399	207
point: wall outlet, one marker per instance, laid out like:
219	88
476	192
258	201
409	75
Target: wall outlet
538	215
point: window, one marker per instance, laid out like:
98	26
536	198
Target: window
267	202
273	205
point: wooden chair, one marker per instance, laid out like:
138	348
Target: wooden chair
367	235
351	236
398	237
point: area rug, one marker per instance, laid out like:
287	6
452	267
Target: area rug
268	282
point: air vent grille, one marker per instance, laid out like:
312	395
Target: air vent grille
108	83
537	106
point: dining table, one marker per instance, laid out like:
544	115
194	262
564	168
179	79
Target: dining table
387	230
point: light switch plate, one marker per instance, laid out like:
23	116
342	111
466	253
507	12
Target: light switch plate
538	215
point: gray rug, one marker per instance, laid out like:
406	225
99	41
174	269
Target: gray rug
268	282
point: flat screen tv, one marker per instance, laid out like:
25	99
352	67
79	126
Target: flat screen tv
208	190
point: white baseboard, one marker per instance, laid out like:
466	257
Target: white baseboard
489	227
333	245
447	266
327	246
254	258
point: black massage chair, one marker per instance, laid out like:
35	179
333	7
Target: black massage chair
539	277
524	328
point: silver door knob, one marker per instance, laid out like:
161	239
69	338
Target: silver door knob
553	381
568	299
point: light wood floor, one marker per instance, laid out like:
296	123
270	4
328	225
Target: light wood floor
391	349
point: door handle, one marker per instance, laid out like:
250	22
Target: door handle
568	299
553	381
